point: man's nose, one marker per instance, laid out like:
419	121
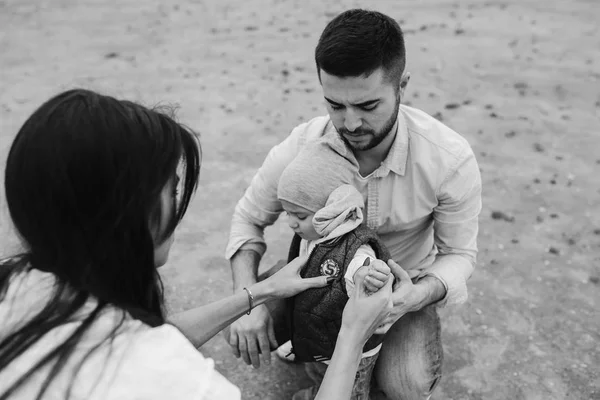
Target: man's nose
351	120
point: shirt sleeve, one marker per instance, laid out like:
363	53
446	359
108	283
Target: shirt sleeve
259	206
161	363
361	255
456	227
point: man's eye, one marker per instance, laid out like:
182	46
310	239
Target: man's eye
335	106
369	108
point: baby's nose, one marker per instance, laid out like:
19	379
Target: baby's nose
292	223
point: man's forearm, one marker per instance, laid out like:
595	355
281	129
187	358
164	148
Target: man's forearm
431	290
244	268
449	274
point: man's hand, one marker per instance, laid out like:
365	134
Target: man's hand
252	337
406	297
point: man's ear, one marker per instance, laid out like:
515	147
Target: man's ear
404	79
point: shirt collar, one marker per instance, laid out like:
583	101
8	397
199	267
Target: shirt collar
398	155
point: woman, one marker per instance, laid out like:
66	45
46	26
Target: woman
92	188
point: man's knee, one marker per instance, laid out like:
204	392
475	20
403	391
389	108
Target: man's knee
410	362
410	385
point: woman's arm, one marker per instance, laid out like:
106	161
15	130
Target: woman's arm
340	374
200	324
362	314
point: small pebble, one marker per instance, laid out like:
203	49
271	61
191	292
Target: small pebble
538	147
503	216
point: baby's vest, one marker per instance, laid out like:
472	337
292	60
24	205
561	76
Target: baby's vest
315	315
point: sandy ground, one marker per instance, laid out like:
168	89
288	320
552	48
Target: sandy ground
519	79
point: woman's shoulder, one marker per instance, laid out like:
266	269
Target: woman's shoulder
120	357
167	364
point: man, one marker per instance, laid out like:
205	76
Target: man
422	190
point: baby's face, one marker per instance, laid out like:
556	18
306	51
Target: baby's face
300	220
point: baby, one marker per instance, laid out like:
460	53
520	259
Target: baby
326	213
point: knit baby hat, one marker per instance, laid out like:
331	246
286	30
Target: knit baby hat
314	174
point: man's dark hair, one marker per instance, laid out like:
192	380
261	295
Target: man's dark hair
358	42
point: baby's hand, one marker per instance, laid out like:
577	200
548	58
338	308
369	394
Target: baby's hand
377	275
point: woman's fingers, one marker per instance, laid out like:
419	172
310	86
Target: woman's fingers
316	282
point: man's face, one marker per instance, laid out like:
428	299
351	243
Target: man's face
362	109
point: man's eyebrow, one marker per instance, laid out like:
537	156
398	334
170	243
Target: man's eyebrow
363	104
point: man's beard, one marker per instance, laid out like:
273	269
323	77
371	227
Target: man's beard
375	137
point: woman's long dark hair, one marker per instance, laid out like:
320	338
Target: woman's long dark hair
83	182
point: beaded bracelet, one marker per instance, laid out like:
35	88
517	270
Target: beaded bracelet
250	300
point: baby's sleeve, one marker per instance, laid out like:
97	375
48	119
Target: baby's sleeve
359	258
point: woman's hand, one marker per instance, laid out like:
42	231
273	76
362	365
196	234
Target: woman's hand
365	311
287	281
362	314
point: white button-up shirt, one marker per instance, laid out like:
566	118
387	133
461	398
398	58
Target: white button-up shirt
424	199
